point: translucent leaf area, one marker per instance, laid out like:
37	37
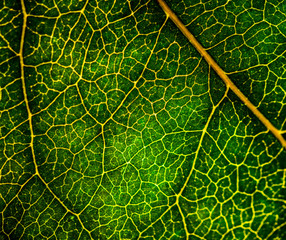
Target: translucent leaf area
112	126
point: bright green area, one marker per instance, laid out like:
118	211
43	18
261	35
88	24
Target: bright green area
134	137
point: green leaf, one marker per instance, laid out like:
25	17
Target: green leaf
221	73
114	127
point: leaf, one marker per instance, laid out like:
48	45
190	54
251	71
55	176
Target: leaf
229	84
114	127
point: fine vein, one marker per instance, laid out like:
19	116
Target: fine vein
277	133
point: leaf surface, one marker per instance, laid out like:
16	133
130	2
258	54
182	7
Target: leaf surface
114	127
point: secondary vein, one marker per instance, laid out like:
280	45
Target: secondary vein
277	133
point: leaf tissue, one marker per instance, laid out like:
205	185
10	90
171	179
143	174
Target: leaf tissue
113	125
